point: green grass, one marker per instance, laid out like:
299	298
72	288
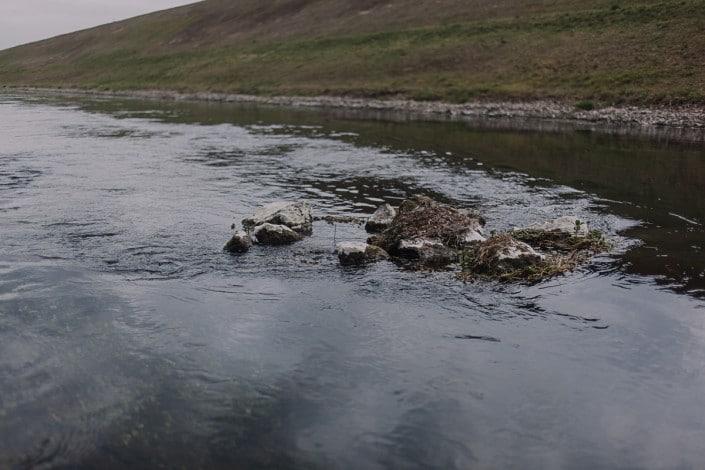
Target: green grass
585	105
582	52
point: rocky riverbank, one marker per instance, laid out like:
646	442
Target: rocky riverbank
682	122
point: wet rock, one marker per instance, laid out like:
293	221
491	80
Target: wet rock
381	219
513	254
421	218
570	225
506	258
241	242
473	235
294	215
271	234
355	254
428	252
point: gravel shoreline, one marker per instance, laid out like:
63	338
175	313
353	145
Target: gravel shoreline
686	122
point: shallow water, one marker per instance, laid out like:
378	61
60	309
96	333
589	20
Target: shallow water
129	339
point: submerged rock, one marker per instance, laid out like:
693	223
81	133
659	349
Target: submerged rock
294	215
271	234
354	254
241	242
428	252
569	224
381	219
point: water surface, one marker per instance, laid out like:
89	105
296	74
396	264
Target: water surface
129	339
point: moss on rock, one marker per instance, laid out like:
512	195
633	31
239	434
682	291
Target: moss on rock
561	252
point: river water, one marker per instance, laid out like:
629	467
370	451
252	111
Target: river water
128	338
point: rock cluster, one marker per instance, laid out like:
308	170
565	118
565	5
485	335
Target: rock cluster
295	215
535	253
278	223
426	234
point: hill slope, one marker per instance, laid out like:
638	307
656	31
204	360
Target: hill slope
646	51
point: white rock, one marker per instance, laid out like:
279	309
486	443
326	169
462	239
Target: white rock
473	235
381	219
270	234
515	250
295	215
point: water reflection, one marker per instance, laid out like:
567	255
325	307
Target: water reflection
129	339
655	180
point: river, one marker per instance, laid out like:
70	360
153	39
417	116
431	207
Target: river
128	338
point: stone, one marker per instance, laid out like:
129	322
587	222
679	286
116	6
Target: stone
567	224
241	242
422	218
473	234
517	254
294	215
356	254
504	253
271	234
381	219
429	252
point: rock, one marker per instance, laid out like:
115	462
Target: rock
503	254
294	215
429	252
375	253
381	219
271	234
241	242
473	234
355	254
351	253
422	218
567	224
517	254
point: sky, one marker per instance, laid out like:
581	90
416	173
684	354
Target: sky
23	21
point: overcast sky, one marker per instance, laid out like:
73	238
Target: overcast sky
23	21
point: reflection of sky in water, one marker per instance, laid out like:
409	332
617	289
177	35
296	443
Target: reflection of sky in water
128	338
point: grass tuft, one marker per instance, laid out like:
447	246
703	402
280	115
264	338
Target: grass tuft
585	105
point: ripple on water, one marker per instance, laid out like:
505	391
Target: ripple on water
132	339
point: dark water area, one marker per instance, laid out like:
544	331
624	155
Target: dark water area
129	339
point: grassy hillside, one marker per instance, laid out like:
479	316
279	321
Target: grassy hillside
642	51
